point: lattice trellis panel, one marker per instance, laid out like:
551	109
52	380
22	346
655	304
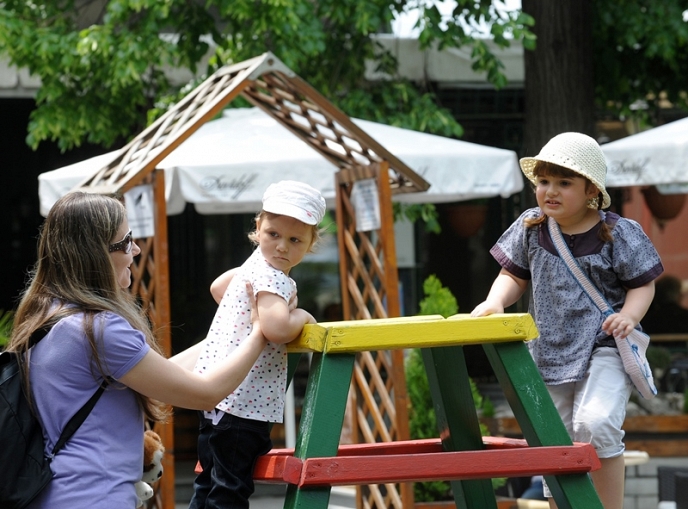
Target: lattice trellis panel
266	82
368	272
311	117
143	278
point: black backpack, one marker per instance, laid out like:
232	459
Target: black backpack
25	469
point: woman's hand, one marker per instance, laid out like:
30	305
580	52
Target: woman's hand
253	303
293	302
177	384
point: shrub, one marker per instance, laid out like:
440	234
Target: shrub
5	327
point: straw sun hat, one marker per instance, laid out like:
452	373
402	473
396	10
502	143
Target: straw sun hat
577	152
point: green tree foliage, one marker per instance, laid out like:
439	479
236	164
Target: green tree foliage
426	212
641	54
97	81
101	61
102	73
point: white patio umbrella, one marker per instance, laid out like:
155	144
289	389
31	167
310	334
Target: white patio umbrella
227	164
658	156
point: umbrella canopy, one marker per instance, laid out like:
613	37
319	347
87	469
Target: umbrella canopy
652	157
227	164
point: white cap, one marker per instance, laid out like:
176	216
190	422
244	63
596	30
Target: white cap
295	199
577	152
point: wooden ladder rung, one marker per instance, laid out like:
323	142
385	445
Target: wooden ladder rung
424	460
278	468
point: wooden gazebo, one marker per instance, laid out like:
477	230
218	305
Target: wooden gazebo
368	268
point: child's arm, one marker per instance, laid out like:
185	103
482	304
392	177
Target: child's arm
505	290
278	323
638	301
219	286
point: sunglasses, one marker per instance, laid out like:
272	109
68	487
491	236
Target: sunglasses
123	245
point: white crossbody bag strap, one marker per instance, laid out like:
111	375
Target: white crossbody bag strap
631	348
575	269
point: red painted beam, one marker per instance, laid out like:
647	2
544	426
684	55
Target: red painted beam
446	466
278	468
422	460
427	445
271	467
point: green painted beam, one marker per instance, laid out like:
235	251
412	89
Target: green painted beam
292	363
538	418
457	419
321	423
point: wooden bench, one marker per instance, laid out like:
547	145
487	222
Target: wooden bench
461	455
668	338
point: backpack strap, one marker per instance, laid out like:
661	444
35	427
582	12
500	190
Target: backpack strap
78	419
39	334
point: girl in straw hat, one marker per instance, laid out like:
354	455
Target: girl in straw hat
576	352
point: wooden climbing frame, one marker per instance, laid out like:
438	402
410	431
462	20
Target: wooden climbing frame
461	455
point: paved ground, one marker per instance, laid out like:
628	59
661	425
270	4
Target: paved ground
273	498
267	496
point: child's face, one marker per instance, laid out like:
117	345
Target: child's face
564	197
284	241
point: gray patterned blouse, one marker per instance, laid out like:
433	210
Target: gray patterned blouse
568	321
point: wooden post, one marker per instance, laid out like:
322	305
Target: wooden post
538	419
326	392
457	420
159	312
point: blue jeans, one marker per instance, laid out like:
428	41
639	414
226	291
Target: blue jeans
228	452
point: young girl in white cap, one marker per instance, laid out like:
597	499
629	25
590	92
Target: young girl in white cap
576	352
237	431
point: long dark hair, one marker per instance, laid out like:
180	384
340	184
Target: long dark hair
75	274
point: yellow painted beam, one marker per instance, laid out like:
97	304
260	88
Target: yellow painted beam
413	332
312	339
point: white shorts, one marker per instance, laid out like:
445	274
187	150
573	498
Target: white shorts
594	408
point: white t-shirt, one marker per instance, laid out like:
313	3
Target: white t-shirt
261	395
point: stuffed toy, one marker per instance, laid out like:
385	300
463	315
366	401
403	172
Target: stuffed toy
153	451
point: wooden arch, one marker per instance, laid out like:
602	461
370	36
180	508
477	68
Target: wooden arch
368	268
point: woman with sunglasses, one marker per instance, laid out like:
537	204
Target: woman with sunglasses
99	335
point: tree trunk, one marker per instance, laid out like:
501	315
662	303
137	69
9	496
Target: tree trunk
559	78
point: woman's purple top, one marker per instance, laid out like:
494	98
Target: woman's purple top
568	321
104	458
